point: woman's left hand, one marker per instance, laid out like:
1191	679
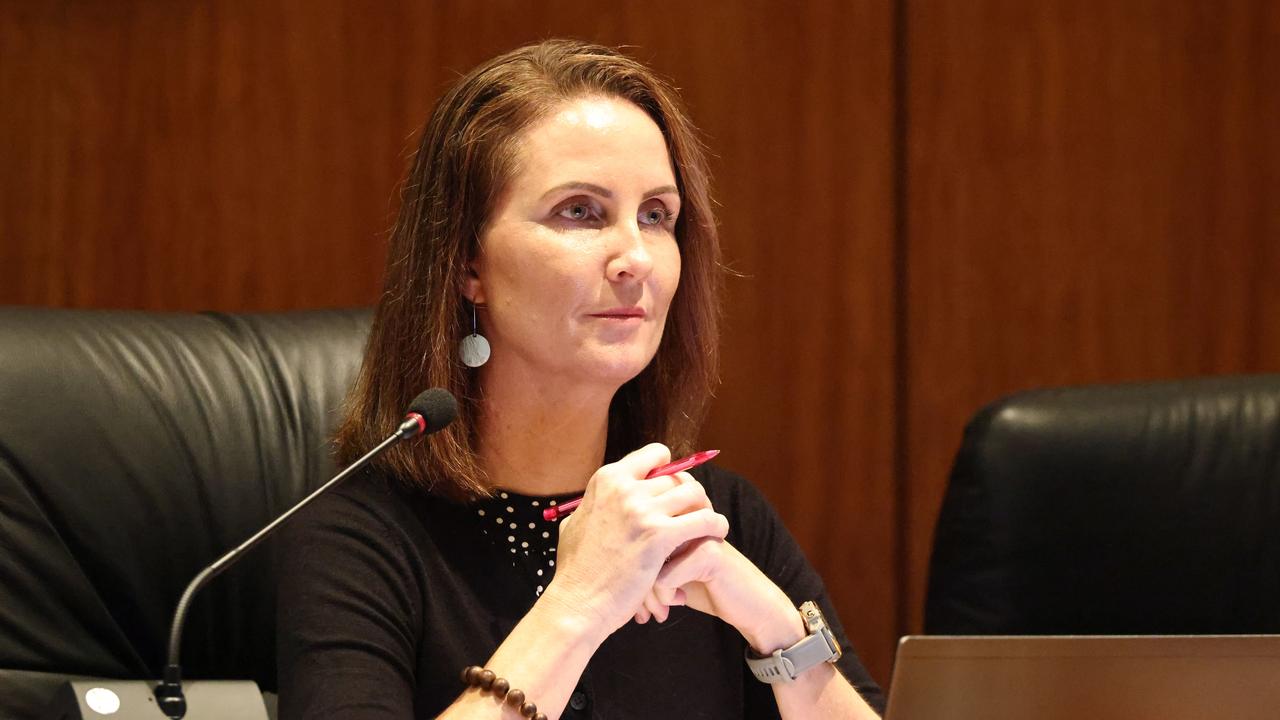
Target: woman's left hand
711	576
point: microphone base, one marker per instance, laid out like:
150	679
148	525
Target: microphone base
135	700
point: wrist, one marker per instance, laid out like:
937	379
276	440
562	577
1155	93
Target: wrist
570	620
778	629
785	665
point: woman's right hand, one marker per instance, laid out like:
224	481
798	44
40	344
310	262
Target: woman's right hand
609	556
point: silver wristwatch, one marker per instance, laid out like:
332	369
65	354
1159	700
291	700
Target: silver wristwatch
786	665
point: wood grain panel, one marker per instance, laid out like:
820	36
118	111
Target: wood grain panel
186	156
1091	197
244	156
807	407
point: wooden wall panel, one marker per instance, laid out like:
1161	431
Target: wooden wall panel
808	402
1086	194
244	156
185	156
1091	196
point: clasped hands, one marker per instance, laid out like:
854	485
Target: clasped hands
637	547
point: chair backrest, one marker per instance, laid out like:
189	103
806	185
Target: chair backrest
1131	509
137	447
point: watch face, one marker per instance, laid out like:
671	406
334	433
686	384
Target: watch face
815	622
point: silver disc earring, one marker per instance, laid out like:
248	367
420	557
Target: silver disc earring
474	348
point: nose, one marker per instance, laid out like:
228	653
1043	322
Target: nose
630	259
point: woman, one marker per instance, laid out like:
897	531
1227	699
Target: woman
557	207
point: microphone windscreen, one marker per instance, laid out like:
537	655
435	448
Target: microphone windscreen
437	406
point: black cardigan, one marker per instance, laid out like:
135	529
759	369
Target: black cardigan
387	593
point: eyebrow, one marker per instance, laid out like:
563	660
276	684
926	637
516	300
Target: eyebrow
606	193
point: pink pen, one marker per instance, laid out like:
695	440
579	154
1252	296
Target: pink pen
687	463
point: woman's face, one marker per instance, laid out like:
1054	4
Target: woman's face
578	262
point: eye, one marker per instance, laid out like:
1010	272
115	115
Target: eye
578	211
653	216
656	215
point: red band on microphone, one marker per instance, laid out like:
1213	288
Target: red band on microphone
422	423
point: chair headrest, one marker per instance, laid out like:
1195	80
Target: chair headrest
1144	508
137	447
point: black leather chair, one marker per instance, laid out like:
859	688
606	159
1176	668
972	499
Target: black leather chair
1131	509
135	448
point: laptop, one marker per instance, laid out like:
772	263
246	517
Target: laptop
1186	677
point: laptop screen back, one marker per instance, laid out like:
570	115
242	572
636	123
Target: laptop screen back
1101	678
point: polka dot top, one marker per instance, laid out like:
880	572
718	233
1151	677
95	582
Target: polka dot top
514	523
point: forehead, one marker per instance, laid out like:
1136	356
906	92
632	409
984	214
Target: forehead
594	139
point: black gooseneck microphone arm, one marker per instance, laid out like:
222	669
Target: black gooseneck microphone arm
440	408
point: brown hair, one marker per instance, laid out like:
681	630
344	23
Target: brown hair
466	156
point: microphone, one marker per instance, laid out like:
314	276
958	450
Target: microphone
430	412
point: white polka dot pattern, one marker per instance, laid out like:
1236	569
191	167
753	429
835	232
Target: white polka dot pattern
529	538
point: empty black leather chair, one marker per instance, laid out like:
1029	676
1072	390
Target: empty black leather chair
1130	509
135	448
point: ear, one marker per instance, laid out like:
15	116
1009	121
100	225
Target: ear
472	287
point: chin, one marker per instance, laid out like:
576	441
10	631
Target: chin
618	368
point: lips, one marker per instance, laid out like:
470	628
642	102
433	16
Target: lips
621	313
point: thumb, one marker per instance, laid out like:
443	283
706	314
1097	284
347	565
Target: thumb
695	564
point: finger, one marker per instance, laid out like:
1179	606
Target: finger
693	525
666	594
656	608
641	462
642	616
691	566
625	477
680	478
683	498
658	485
662	483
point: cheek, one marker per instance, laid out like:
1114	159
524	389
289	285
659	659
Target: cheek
667	273
543	277
517	261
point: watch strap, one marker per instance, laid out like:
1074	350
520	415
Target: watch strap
786	665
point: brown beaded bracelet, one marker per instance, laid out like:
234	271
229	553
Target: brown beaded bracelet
478	677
